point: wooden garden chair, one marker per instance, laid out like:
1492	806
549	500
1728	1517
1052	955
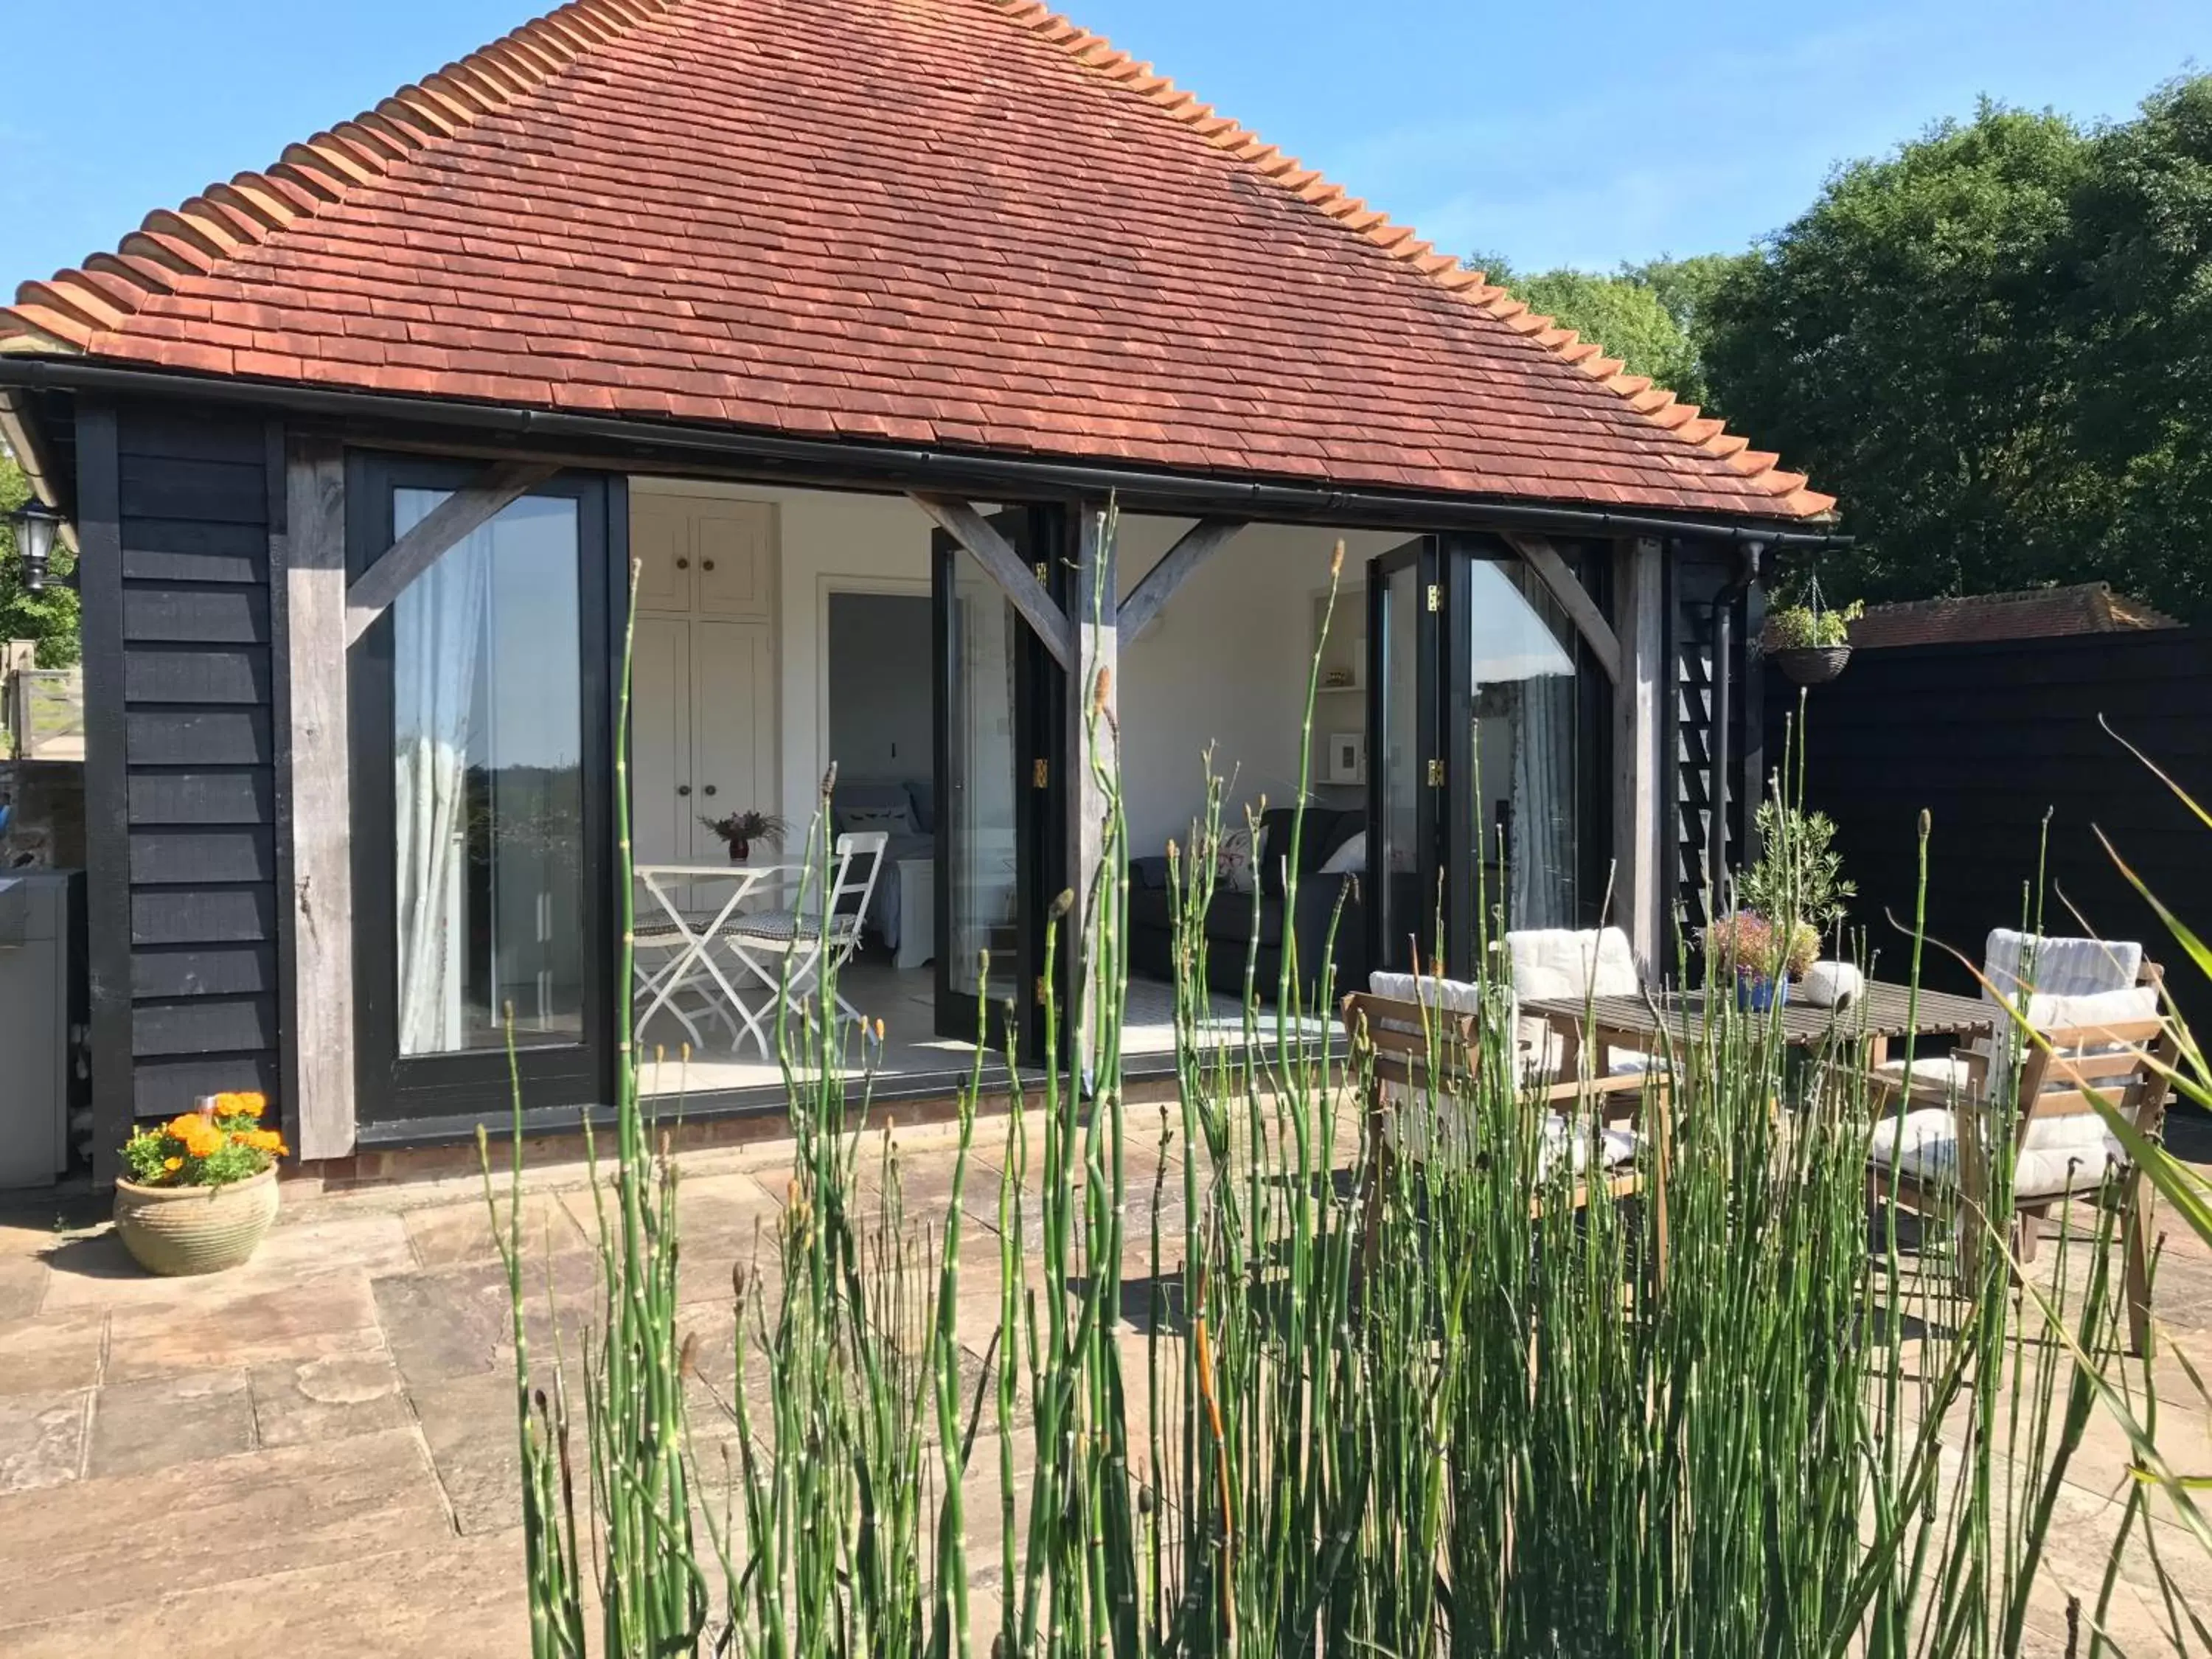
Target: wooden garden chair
2062	1150
1429	1053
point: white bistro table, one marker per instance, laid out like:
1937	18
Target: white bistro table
686	935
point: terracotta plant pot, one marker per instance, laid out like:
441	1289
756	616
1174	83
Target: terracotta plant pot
1813	665
175	1230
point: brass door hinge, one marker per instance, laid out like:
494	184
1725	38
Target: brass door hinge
1043	574
1040	991
1436	775
1040	775
1436	597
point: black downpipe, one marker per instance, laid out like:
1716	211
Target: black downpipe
1717	758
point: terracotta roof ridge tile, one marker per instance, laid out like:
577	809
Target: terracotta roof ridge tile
1644	400
65	311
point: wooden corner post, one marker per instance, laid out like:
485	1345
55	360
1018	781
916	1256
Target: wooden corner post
314	734
1093	737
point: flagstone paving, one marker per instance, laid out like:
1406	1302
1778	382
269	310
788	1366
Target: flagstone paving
314	1454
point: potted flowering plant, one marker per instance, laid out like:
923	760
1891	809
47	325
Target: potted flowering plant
1747	945
201	1188
740	830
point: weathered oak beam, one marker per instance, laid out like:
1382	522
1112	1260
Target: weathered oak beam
960	520
1574	599
1149	596
313	571
460	515
1094	728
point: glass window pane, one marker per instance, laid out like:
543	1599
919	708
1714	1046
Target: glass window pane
487	782
985	773
1527	741
1395	860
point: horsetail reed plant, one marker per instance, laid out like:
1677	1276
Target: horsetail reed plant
1706	1419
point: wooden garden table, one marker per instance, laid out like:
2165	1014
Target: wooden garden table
1878	1014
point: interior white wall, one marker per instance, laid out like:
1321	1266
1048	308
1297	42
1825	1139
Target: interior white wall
1225	664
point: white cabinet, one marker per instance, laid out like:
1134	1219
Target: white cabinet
703	690
704	555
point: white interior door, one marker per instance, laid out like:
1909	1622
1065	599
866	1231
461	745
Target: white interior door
733	720
662	798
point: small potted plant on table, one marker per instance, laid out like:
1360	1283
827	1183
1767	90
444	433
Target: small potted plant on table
739	830
200	1190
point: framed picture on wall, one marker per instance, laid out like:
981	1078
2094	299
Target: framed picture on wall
1347	757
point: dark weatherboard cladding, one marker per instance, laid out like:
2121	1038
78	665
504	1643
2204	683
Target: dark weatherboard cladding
178	507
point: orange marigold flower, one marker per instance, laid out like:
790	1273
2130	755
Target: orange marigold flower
243	1104
173	1164
186	1124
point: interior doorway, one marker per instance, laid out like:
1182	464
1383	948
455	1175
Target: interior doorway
878	666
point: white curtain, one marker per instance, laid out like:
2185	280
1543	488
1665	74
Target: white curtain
437	635
1543	850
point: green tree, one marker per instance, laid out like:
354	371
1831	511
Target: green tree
1626	318
2140	325
1905	343
50	617
1629	317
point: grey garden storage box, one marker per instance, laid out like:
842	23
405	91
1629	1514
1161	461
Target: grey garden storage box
37	976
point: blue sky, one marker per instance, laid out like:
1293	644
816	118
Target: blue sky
1582	136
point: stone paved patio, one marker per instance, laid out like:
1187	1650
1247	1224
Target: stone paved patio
314	1454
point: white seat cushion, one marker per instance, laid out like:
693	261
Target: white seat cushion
1930	1142
786	927
2059	966
1426	1133
1457	996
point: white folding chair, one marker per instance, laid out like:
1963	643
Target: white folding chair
671	952
791	949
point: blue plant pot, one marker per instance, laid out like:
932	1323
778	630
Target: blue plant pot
1755	993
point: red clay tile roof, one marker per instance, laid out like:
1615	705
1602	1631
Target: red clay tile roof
2029	614
963	223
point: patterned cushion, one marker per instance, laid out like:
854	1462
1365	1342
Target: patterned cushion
786	927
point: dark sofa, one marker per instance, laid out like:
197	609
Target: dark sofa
1230	919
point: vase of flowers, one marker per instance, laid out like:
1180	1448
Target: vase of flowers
739	830
201	1188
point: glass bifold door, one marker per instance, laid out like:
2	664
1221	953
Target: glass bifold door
1001	783
1485	737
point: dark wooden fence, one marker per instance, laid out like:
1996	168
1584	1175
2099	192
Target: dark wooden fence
1990	739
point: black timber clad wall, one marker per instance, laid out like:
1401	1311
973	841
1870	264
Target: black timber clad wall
1695	579
1988	737
194	507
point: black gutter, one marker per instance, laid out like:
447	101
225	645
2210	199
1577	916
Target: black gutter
1724	603
847	460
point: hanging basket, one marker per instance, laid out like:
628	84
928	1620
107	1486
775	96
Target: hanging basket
1813	665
